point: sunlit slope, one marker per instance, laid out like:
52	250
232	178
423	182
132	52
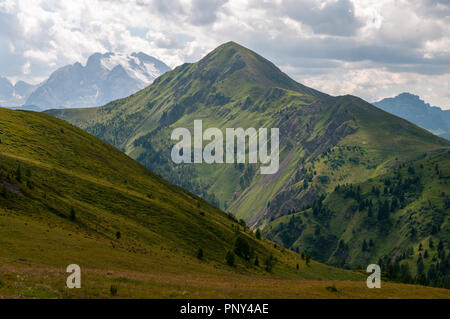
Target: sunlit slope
395	219
67	197
235	87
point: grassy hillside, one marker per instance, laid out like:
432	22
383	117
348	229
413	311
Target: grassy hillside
325	141
395	219
235	87
65	196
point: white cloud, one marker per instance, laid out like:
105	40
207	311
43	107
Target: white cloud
368	48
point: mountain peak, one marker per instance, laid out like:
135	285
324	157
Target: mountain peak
105	77
231	44
408	96
413	108
238	64
404	100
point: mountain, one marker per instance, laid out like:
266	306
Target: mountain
14	95
104	78
389	219
325	141
67	197
415	110
6	89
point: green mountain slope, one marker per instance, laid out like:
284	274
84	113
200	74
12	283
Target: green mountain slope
234	87
67	197
394	220
325	141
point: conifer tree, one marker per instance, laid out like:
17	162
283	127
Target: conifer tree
200	253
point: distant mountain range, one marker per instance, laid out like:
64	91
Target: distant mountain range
105	77
413	109
14	95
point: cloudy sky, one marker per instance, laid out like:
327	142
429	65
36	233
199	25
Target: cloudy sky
373	49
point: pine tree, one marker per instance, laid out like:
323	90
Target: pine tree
430	243
118	235
258	234
420	265
19	174
440	246
369	212
432	274
269	263
3	191
230	258
200	253
308	258
72	214
394	204
243	249
113	290
383	210
364	245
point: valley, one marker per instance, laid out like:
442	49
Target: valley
326	143
355	185
67	197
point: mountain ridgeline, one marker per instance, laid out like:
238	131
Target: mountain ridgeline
104	78
412	108
14	95
326	142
